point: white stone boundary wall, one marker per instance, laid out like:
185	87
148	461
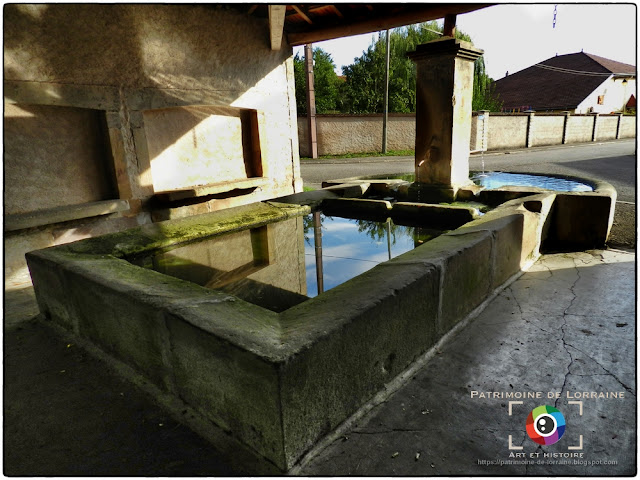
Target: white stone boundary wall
340	134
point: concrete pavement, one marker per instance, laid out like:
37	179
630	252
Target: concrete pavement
567	325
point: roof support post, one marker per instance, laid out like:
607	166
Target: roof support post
276	25
449	29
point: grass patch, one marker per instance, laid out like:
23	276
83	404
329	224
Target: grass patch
308	189
390	153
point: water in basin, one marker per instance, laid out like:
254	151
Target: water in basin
491	180
350	247
282	264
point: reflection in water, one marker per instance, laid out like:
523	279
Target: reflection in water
282	264
263	265
317	242
351	247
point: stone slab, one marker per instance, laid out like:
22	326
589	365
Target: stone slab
580	221
204	190
357	207
20	221
436	216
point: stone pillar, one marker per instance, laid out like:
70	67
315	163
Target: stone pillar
444	90
530	114
565	125
618	126
594	133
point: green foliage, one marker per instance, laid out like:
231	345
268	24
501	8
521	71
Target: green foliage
363	90
378	231
326	83
484	96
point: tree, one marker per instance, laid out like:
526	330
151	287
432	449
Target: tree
326	82
363	91
484	96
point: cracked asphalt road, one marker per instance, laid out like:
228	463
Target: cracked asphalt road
564	330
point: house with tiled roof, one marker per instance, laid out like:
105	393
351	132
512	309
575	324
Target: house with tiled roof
576	82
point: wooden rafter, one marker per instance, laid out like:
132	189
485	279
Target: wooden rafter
381	22
338	12
302	14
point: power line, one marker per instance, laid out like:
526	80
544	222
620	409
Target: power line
573	72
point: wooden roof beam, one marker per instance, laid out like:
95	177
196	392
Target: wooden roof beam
302	14
336	11
425	14
276	25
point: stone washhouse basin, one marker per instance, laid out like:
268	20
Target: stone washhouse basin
265	385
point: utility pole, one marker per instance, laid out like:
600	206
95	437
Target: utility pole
311	102
385	118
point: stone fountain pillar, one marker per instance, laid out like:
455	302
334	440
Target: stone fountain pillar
444	91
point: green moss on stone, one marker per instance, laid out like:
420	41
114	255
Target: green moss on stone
168	234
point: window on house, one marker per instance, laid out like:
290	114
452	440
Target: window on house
600	99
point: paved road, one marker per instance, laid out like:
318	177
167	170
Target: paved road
614	162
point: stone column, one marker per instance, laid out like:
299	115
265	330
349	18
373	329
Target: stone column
618	126
530	115
565	126
594	132
444	90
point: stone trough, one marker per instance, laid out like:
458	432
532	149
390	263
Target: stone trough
277	383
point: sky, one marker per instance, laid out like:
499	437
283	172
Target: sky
516	36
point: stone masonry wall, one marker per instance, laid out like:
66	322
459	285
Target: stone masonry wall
628	126
579	128
340	134
507	132
83	84
547	130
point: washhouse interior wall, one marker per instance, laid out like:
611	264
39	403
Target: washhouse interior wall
120	102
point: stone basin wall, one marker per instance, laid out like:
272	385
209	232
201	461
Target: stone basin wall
276	384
